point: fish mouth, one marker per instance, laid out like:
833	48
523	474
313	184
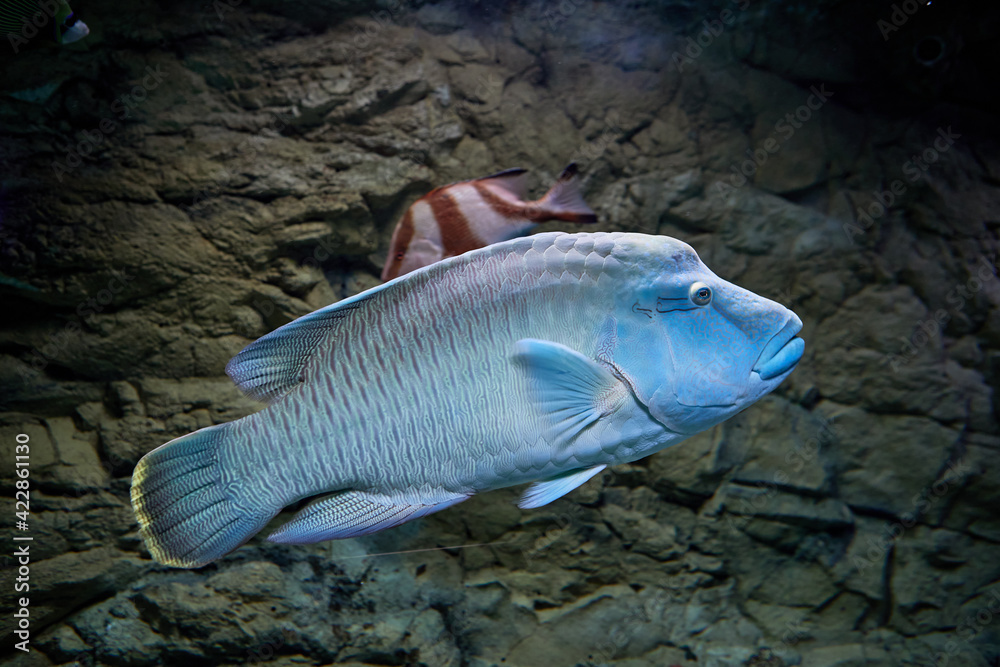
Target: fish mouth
782	352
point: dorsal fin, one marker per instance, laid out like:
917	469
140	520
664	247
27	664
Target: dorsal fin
272	365
510	180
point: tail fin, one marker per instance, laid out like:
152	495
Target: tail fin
186	515
564	201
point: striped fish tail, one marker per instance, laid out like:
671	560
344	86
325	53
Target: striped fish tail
564	201
186	515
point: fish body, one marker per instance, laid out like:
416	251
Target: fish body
456	218
20	20
543	359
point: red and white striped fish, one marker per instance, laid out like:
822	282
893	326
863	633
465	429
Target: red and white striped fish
456	218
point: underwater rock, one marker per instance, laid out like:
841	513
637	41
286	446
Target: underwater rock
869	474
847	520
846	655
74	464
62	644
767	503
643	535
73	579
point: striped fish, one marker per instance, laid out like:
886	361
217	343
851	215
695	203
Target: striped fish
20	21
460	217
543	359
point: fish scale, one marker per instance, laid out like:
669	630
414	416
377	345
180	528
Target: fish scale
542	359
436	305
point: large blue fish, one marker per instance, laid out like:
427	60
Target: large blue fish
542	359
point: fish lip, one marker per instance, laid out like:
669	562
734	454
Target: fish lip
779	343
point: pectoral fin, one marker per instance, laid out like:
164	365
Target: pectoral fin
571	390
543	493
355	513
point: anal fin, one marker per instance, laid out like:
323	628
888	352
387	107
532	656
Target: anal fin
543	493
355	513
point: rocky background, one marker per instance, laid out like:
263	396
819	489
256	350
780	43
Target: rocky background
193	175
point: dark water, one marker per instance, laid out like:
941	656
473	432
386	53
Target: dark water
191	176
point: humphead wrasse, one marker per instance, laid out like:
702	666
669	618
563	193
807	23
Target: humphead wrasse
543	359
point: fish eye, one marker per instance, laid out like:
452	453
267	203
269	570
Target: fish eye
701	294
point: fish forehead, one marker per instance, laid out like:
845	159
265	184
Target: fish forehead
633	270
634	262
672	255
632	249
610	268
626	262
680	266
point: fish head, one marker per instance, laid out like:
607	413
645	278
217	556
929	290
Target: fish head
75	30
702	348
